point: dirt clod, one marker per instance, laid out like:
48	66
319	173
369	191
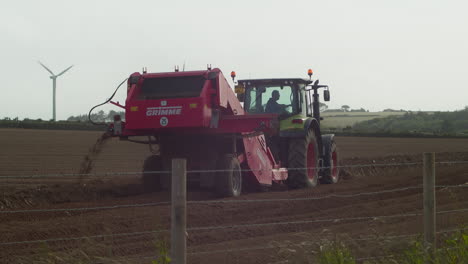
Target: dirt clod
88	160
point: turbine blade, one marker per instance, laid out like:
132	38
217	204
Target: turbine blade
45	67
64	71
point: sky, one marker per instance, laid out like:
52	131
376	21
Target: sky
400	54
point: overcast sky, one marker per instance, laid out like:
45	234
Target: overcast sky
401	54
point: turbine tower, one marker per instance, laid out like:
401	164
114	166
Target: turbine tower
54	85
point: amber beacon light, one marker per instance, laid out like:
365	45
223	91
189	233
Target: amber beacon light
310	72
233	75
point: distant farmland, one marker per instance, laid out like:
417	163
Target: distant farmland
341	120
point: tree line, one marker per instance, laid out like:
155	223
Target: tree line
436	123
79	122
100	116
344	108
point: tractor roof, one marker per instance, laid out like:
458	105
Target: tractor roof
278	80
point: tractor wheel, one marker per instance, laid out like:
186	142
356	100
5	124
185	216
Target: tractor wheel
152	181
303	161
229	179
331	171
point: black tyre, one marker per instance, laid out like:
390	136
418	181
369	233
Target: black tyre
303	161
151	180
228	180
331	171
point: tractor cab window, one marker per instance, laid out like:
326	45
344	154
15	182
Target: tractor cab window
271	99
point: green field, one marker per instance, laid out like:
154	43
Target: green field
340	120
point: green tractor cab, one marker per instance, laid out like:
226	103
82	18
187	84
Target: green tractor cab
299	146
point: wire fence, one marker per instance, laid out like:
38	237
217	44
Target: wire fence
107	174
210	228
240	200
110	207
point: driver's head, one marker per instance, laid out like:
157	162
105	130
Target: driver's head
275	95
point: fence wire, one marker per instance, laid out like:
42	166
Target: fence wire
335	220
107	174
82	237
208	228
110	207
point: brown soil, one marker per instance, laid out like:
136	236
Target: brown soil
39	152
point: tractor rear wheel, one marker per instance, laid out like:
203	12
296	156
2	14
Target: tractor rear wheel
303	161
331	171
229	178
151	179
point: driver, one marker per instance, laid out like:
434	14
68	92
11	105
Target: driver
272	105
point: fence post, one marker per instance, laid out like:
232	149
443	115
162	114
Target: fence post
178	215
429	204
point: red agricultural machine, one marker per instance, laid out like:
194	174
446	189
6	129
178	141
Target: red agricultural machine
268	133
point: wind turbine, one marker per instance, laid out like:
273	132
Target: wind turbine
54	84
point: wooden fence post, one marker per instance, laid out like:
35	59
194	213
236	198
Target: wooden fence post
179	215
429	204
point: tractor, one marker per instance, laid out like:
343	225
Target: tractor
266	132
299	143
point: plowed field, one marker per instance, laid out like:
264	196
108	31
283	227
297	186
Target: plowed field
38	172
